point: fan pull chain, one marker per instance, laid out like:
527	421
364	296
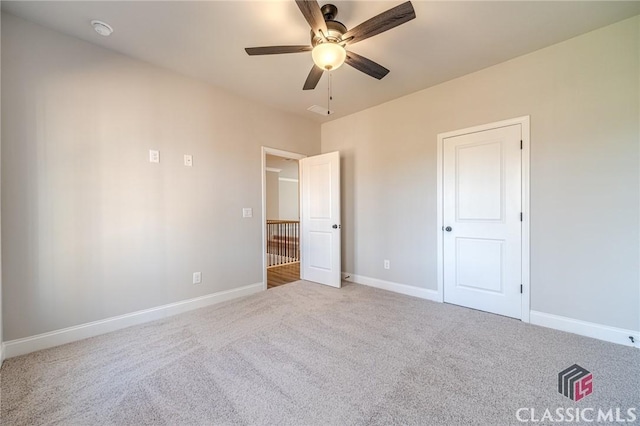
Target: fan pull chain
329	94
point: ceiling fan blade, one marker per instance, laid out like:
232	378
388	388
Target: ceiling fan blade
365	65
311	11
275	50
313	78
380	23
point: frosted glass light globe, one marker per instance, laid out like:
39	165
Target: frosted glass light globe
328	56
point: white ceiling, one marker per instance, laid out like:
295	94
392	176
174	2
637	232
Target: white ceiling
206	40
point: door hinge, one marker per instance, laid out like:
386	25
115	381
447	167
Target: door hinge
520	216
521	144
520	288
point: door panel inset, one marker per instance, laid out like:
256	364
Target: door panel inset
320	250
320	181
479	182
480	264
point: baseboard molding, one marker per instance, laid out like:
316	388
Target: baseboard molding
71	334
584	328
409	290
556	322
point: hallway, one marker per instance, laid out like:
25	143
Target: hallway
280	275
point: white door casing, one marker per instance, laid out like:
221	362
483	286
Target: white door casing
481	244
320	219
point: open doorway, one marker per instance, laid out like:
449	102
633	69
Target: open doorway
282	213
317	238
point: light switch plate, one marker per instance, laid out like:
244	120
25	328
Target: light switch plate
247	212
188	160
154	156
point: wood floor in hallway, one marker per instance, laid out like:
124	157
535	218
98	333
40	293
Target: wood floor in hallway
284	274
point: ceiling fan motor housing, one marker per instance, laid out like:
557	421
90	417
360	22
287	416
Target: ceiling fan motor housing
335	29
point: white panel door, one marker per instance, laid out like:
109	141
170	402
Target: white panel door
482	221
320	219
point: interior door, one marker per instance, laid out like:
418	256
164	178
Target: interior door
482	220
320	219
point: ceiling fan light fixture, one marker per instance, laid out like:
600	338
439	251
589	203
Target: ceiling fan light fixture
329	56
329	38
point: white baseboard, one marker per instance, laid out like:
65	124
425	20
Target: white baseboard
584	328
570	325
71	334
409	290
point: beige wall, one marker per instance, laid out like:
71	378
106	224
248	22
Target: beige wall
282	198
90	228
272	196
582	96
289	208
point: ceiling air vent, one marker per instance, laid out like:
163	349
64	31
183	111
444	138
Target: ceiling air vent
319	110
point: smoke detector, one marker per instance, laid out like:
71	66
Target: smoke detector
102	28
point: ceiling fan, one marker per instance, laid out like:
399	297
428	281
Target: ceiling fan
330	37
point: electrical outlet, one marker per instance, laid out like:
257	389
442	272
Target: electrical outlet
188	160
197	277
154	156
387	264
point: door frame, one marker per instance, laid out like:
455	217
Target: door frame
526	212
280	153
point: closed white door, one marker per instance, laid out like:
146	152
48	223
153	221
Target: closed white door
482	244
320	219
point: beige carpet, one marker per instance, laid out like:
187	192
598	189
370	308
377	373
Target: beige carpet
308	354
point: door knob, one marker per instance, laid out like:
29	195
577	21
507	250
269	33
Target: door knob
448	229
336	226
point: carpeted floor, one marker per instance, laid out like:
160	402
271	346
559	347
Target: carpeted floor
309	354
